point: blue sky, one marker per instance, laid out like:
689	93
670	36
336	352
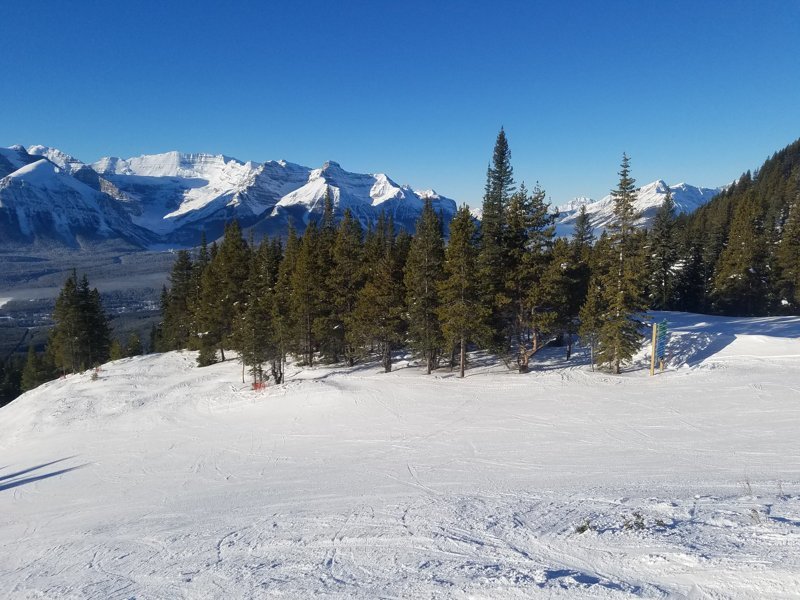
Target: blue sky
692	91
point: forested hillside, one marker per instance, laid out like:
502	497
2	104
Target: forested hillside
740	253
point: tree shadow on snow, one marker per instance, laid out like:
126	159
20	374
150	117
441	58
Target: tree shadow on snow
12	480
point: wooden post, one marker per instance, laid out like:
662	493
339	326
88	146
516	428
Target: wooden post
653	353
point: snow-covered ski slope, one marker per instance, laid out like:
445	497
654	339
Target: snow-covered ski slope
162	480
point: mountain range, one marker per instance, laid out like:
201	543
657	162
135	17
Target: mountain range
49	198
687	199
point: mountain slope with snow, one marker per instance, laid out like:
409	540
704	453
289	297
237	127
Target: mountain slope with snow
687	198
159	479
175	196
42	203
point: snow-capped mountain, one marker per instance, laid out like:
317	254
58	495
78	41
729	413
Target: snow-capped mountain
41	202
170	198
687	198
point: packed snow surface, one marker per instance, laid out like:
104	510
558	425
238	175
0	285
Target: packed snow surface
163	480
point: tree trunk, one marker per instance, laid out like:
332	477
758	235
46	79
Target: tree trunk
387	359
462	356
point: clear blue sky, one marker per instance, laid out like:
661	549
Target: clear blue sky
694	91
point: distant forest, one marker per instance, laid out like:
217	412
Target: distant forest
505	284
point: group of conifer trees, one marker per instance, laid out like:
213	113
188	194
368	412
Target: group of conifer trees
740	253
505	284
79	339
339	293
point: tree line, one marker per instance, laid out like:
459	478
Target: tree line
340	293
80	339
504	284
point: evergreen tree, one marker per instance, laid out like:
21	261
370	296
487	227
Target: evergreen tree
583	232
346	279
423	274
222	288
282	316
492	258
133	345
176	326
378	318
663	254
788	259
528	240
740	278
461	313
329	339
80	337
34	373
253	335
307	295
619	338
116	352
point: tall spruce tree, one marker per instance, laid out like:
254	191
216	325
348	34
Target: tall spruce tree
307	296
35	371
619	337
222	289
528	241
663	247
326	321
423	274
492	258
378	322
176	326
347	278
462	314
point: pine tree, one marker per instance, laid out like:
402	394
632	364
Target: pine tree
33	373
116	352
307	295
80	337
346	279
253	336
423	274
282	316
582	243
378	317
133	345
492	259
557	295
326	321
583	232
663	254
176	326
222	288
528	240
619	338
461	313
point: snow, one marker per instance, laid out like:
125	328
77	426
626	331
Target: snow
56	156
160	479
